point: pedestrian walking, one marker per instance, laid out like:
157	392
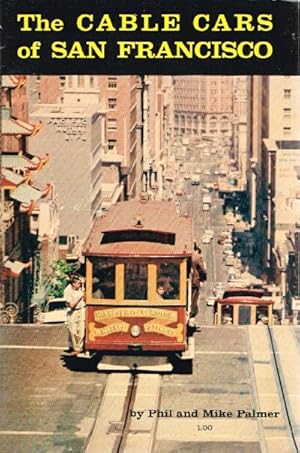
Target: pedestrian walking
74	296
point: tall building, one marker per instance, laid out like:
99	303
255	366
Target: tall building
120	98
74	138
203	105
274	162
139	124
158	117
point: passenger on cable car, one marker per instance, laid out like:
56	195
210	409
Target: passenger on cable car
227	314
74	296
262	320
169	287
199	276
160	291
96	288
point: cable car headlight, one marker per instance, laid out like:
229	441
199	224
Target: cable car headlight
135	331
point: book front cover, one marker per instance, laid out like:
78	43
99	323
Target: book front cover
150	226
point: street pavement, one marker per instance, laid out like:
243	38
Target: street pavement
191	203
48	408
45	407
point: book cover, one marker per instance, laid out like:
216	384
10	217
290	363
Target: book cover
150	226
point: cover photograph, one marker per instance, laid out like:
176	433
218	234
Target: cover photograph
150	226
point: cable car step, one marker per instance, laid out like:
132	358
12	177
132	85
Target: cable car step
137	364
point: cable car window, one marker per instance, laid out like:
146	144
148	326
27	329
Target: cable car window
168	280
244	315
227	314
136	281
104	273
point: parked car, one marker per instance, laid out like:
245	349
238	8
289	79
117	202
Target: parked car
230	260
218	290
210	301
55	311
195	179
206	207
206	239
209	233
238	283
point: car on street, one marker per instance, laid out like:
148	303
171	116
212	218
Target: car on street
218	290
228	250
195	180
216	172
237	283
209	233
230	260
206	239
210	301
231	275
187	176
55	312
207	172
206	207
198	171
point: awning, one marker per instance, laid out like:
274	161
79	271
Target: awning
16	267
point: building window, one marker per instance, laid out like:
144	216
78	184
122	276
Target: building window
287	94
62	81
112	144
92	82
287	131
80	81
112	103
111	124
286	113
112	82
63	240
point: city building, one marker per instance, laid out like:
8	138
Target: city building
158	117
19	197
75	138
273	176
203	105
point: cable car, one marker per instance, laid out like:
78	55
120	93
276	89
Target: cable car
138	287
244	306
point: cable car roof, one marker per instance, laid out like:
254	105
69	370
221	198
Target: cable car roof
139	229
248	292
245	300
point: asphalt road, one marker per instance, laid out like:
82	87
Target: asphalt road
45	407
191	203
48	408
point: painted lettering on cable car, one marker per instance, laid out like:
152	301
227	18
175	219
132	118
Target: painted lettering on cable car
169	315
177	332
106	330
